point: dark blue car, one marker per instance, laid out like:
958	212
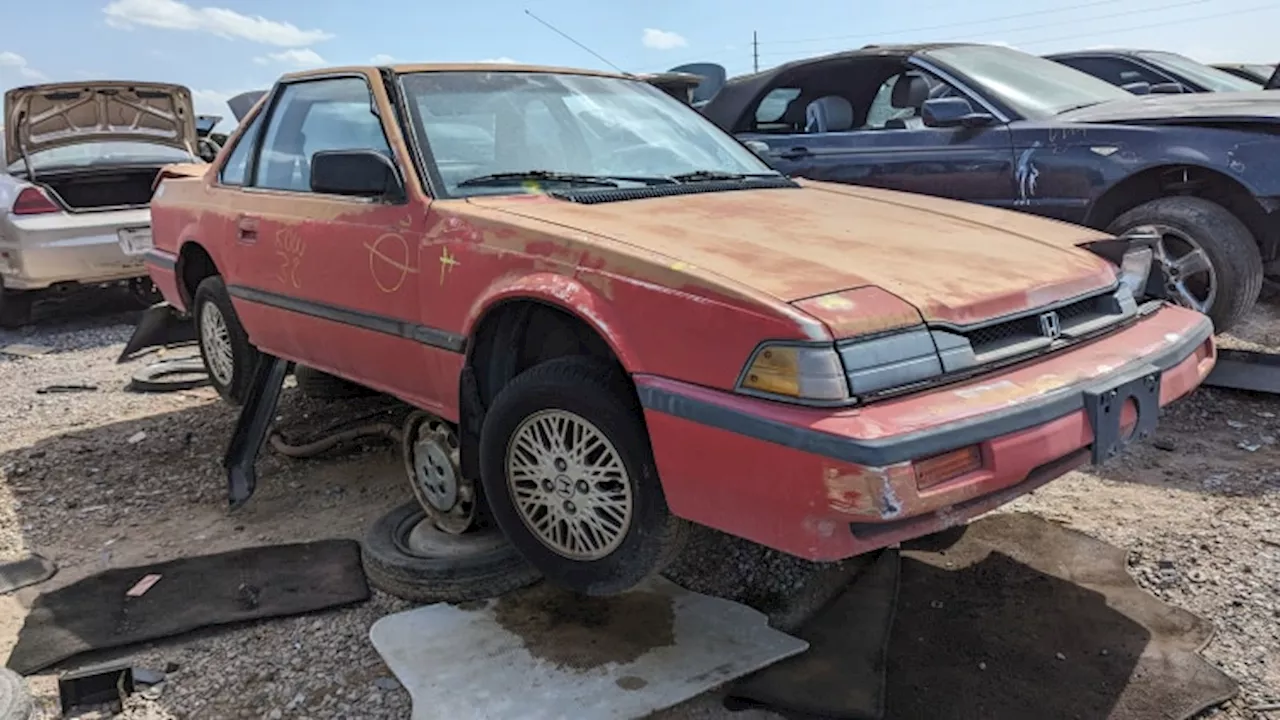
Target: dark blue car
1156	68
997	126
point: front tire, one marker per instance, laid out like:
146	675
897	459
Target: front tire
570	478
224	345
1201	235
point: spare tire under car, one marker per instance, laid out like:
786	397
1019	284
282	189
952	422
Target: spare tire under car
405	555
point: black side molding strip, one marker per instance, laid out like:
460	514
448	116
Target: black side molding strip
430	336
918	444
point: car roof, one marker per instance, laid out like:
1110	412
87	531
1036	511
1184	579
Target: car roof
452	67
728	104
1100	51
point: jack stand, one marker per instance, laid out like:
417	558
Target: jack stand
251	429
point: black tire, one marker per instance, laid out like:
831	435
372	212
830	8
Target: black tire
323	386
597	392
1231	248
15	699
394	567
245	356
15	308
191	374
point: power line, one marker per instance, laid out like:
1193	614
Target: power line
1093	18
948	26
575	42
1259	8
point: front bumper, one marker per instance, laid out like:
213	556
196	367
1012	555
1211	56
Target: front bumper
37	251
829	484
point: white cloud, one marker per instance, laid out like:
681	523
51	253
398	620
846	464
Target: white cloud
504	60
382	59
297	57
176	15
662	39
15	62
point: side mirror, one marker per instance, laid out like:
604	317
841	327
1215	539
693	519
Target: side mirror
355	173
1138	88
207	150
953	112
1167	88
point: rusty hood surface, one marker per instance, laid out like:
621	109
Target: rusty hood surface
955	262
41	117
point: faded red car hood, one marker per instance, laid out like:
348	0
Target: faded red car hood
955	262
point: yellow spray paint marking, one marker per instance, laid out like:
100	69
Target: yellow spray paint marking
447	263
389	261
289	248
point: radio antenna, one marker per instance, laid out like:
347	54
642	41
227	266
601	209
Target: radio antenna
575	42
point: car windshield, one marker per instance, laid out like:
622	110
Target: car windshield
1032	86
488	130
113	152
1210	78
1262	71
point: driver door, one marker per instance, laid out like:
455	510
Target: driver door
887	145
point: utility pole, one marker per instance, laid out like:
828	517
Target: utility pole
755	52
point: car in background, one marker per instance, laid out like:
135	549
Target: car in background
1161	70
1257	72
993	125
80	161
616	327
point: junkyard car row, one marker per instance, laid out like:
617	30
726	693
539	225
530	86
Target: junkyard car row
627	318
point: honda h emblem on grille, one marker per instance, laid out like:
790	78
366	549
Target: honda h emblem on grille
1049	326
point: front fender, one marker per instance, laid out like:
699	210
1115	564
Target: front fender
566	293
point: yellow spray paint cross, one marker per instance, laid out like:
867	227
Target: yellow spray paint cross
447	263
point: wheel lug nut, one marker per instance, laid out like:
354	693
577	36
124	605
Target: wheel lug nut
582	487
548	486
570	506
561	465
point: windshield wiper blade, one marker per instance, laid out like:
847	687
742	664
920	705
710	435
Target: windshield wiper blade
512	178
1080	107
712	175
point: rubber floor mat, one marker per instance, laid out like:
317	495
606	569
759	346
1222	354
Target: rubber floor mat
261	582
1017	617
29	570
842	674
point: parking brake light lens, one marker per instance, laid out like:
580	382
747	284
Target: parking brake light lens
33	201
804	373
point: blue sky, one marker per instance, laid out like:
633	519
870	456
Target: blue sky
221	47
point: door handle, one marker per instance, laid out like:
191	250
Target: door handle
247	229
794	153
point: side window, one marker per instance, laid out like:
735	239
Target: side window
1114	70
770	111
234	170
311	116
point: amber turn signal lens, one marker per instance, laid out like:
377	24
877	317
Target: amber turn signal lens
933	471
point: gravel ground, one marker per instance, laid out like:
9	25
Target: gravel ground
109	478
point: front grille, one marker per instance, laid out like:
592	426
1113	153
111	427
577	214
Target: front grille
1026	333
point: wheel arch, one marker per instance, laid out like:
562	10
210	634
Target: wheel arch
194	264
1172	179
562	314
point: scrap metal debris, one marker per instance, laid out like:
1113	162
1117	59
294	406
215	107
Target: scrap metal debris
25	350
69	388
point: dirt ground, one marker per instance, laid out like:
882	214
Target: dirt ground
109	478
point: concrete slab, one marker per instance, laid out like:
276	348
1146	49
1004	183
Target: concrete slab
541	653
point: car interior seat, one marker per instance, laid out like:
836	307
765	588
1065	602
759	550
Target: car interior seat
909	93
830	113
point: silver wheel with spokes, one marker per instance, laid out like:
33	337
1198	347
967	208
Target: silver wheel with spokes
569	485
215	340
1190	279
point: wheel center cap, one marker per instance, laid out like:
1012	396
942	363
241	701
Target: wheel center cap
564	486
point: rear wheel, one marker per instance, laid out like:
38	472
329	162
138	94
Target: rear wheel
224	345
570	478
1209	257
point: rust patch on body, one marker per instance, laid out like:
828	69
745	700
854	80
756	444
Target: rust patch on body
582	633
867	491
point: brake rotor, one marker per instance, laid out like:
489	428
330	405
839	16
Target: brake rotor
433	463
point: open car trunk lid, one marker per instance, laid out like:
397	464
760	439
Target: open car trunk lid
41	117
